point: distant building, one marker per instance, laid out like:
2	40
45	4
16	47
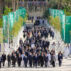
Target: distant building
34	5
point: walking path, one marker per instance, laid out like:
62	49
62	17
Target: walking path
66	66
59	45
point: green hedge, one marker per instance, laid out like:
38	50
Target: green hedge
55	22
67	13
17	26
1	36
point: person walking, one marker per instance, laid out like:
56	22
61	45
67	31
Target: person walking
3	59
19	60
9	60
0	61
60	57
30	57
46	59
35	60
49	58
25	58
53	59
14	59
42	59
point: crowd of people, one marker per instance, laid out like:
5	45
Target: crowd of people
34	51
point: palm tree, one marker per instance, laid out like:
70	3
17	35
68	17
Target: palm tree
17	2
2	6
13	4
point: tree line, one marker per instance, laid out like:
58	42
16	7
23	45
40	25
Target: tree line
61	4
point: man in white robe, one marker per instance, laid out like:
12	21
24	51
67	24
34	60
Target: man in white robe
66	52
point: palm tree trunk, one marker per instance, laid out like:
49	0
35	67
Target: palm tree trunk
1	7
17	4
13	5
3	4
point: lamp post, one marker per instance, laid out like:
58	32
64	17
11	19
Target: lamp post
8	37
70	37
70	42
1	39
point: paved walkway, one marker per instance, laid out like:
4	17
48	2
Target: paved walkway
66	66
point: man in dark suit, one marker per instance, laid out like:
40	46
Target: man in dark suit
25	60
20	50
0	61
3	58
52	34
19	59
21	42
53	59
35	60
46	59
42	59
14	59
30	57
9	60
60	57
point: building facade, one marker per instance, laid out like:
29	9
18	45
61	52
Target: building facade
34	5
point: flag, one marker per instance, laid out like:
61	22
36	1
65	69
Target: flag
5	29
